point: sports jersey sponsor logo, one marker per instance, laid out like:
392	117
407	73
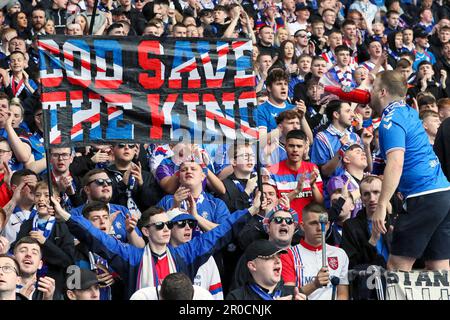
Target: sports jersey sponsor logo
333	263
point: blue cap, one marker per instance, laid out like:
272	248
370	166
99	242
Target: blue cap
301	6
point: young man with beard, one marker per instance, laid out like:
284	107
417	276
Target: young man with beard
56	241
302	265
98	187
327	143
131	185
28	252
143	267
21	205
38	21
264	265
298	179
207	276
361	246
413	168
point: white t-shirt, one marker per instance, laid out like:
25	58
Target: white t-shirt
302	263
293	27
12	227
208	277
149	293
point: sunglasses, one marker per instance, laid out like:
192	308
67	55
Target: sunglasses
182	224
279	220
101	182
123	145
160	225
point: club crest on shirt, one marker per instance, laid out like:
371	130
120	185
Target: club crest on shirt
333	263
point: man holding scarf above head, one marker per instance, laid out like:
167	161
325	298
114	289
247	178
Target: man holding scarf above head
144	267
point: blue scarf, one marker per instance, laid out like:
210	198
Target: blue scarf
46	226
263	294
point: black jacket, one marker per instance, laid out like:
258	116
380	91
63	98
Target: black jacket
355	242
57	251
144	196
433	87
82	260
246	293
234	198
442	146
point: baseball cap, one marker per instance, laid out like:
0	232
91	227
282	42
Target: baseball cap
420	33
300	30
301	6
12	4
261	249
88	279
176	214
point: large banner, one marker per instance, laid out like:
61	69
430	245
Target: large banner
100	89
418	285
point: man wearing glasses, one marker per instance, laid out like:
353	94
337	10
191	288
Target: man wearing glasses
144	267
278	226
9	278
131	184
68	185
98	187
208	276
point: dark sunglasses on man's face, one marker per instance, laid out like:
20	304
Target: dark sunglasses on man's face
182	223
102	182
160	225
122	145
279	220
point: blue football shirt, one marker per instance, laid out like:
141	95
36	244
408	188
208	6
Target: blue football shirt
267	112
401	128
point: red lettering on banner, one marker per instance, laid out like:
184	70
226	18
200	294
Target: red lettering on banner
159	116
154	64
